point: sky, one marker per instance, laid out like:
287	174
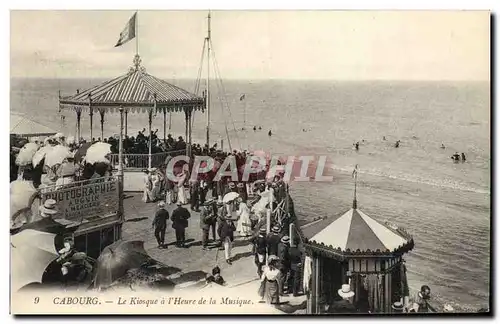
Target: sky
342	45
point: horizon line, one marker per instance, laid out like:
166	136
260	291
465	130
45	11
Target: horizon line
266	79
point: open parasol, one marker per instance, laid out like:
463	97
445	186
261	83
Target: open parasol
82	151
56	155
40	154
31	252
22	195
230	196
98	152
118	258
26	153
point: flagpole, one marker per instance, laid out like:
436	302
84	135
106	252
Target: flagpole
355	203
136	32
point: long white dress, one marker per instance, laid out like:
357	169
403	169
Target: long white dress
182	192
155	178
244	223
147	191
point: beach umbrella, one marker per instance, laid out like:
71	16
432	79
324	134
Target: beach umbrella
22	195
118	258
26	153
82	151
40	154
31	252
97	153
56	155
230	196
70	140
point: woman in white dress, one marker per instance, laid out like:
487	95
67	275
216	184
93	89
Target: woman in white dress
182	192
155	179
244	222
148	186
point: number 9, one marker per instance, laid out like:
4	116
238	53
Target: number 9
37	299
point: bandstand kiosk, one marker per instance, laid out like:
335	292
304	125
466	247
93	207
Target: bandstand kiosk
354	249
96	206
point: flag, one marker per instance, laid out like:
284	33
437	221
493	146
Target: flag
128	32
242	97
355	172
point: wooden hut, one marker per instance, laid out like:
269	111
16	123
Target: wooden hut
354	249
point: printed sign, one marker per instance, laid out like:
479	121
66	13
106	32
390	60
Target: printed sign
81	202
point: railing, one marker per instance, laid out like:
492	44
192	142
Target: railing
141	161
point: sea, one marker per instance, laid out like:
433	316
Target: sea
444	205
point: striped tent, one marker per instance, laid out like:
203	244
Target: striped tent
25	127
136	91
354	232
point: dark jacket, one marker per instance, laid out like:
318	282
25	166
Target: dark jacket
206	217
180	218
260	244
160	220
272	243
284	255
295	257
227	229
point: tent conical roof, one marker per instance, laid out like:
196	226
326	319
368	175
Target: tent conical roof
135	91
23	126
354	232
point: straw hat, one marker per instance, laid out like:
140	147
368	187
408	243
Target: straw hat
232	185
263	230
273	258
209	202
49	207
345	291
220	202
275	229
152	169
240	185
161	204
179	203
398	306
285	239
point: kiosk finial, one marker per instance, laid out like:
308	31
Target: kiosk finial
355	176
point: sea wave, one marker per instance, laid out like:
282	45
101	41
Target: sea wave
442	183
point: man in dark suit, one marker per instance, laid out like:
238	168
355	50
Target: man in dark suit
160	224
207	218
180	218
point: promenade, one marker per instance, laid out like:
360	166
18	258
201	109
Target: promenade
192	262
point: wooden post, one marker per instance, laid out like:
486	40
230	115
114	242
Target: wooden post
120	171
150	121
78	120
164	124
91	117
101	112
190	131
186	114
126	119
317	285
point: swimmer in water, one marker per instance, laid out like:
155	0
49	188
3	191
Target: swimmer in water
356	145
463	157
442	146
383	138
397	143
270	133
254	128
260	128
455	157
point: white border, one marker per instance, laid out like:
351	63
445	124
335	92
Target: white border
190	4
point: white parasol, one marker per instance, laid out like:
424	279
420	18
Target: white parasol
56	155
40	154
22	195
98	152
31	252
230	196
26	154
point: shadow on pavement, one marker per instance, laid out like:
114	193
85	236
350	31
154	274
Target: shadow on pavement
241	255
137	219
